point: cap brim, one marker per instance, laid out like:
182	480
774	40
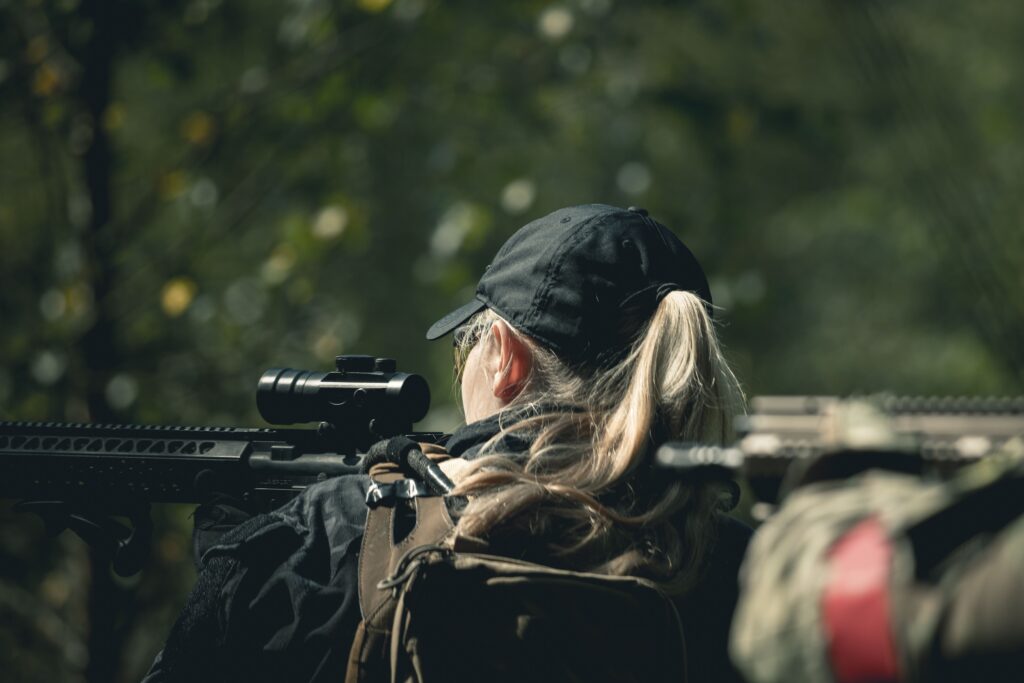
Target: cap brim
455	318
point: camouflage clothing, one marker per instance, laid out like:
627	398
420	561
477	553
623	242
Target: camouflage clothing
954	583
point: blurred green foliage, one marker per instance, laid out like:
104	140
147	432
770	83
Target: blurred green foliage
192	192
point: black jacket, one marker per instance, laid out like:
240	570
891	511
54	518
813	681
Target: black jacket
276	598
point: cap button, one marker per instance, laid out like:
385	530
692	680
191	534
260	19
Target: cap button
637	209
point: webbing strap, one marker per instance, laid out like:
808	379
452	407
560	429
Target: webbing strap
403	489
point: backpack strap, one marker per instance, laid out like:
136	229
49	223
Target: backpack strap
379	555
381	552
984	503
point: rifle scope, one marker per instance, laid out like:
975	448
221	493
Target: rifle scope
363	391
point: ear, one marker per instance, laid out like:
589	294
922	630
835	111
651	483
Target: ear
514	361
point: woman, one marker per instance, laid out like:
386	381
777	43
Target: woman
589	342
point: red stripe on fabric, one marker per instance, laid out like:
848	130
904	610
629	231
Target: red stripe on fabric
856	607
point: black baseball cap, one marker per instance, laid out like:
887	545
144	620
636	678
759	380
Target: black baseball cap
583	280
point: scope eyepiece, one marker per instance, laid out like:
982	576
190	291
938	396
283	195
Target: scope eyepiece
365	394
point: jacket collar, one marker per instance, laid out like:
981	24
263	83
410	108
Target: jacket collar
467	442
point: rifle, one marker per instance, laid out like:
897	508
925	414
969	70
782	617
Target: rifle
82	476
786	441
79	476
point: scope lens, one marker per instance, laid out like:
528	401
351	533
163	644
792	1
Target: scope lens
287	396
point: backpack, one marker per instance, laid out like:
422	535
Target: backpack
438	609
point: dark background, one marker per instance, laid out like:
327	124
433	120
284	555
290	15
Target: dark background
192	192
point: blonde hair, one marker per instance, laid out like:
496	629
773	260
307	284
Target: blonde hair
585	490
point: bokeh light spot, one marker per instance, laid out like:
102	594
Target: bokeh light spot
121	391
409	10
633	178
81	135
374	113
327	346
555	22
373	6
79	208
253	80
46	80
171	185
55	589
518	195
330	222
53	304
176	295
203	193
198	128
80	300
48	367
276	269
459	222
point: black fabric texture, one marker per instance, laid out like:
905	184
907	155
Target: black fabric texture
277	597
583	280
212	520
194	647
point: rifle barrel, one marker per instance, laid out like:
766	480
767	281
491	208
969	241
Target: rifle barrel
127	464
